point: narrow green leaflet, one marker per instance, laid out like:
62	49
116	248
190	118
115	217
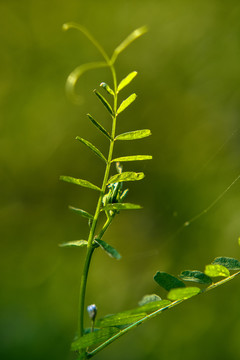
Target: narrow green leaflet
92	147
123	318
133	36
229	263
79	243
80	182
107	88
196	276
149	298
104	102
126	176
167	281
99	126
121	206
183	293
133	158
134	135
109	249
216	270
94	338
81	212
126	80
126	103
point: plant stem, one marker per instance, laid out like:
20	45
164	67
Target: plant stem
90	246
105	227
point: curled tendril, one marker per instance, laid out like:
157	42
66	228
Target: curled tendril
76	74
108	62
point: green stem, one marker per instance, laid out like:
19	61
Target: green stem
105	227
90	246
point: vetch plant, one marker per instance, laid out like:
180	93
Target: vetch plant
111	201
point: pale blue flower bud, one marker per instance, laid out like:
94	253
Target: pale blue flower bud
92	311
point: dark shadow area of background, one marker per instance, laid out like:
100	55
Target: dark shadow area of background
188	90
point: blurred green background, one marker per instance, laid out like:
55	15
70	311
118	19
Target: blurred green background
188	94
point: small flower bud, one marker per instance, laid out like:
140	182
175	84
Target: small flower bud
92	311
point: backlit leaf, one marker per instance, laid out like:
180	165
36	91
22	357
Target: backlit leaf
109	249
151	306
183	293
126	176
229	263
167	281
80	182
216	270
133	315
104	102
121	206
94	338
107	88
118	319
133	36
79	243
196	276
99	126
134	135
149	298
93	148
133	158
126	80
126	103
81	212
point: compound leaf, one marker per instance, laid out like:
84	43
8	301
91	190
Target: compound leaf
196	276
229	263
216	270
79	243
134	135
81	212
183	293
126	176
126	80
109	249
94	338
126	103
80	182
92	147
104	102
121	206
167	281
133	158
99	126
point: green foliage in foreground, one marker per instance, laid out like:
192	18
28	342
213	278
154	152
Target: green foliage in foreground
110	203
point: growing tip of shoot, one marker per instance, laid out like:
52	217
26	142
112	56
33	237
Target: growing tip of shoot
140	31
